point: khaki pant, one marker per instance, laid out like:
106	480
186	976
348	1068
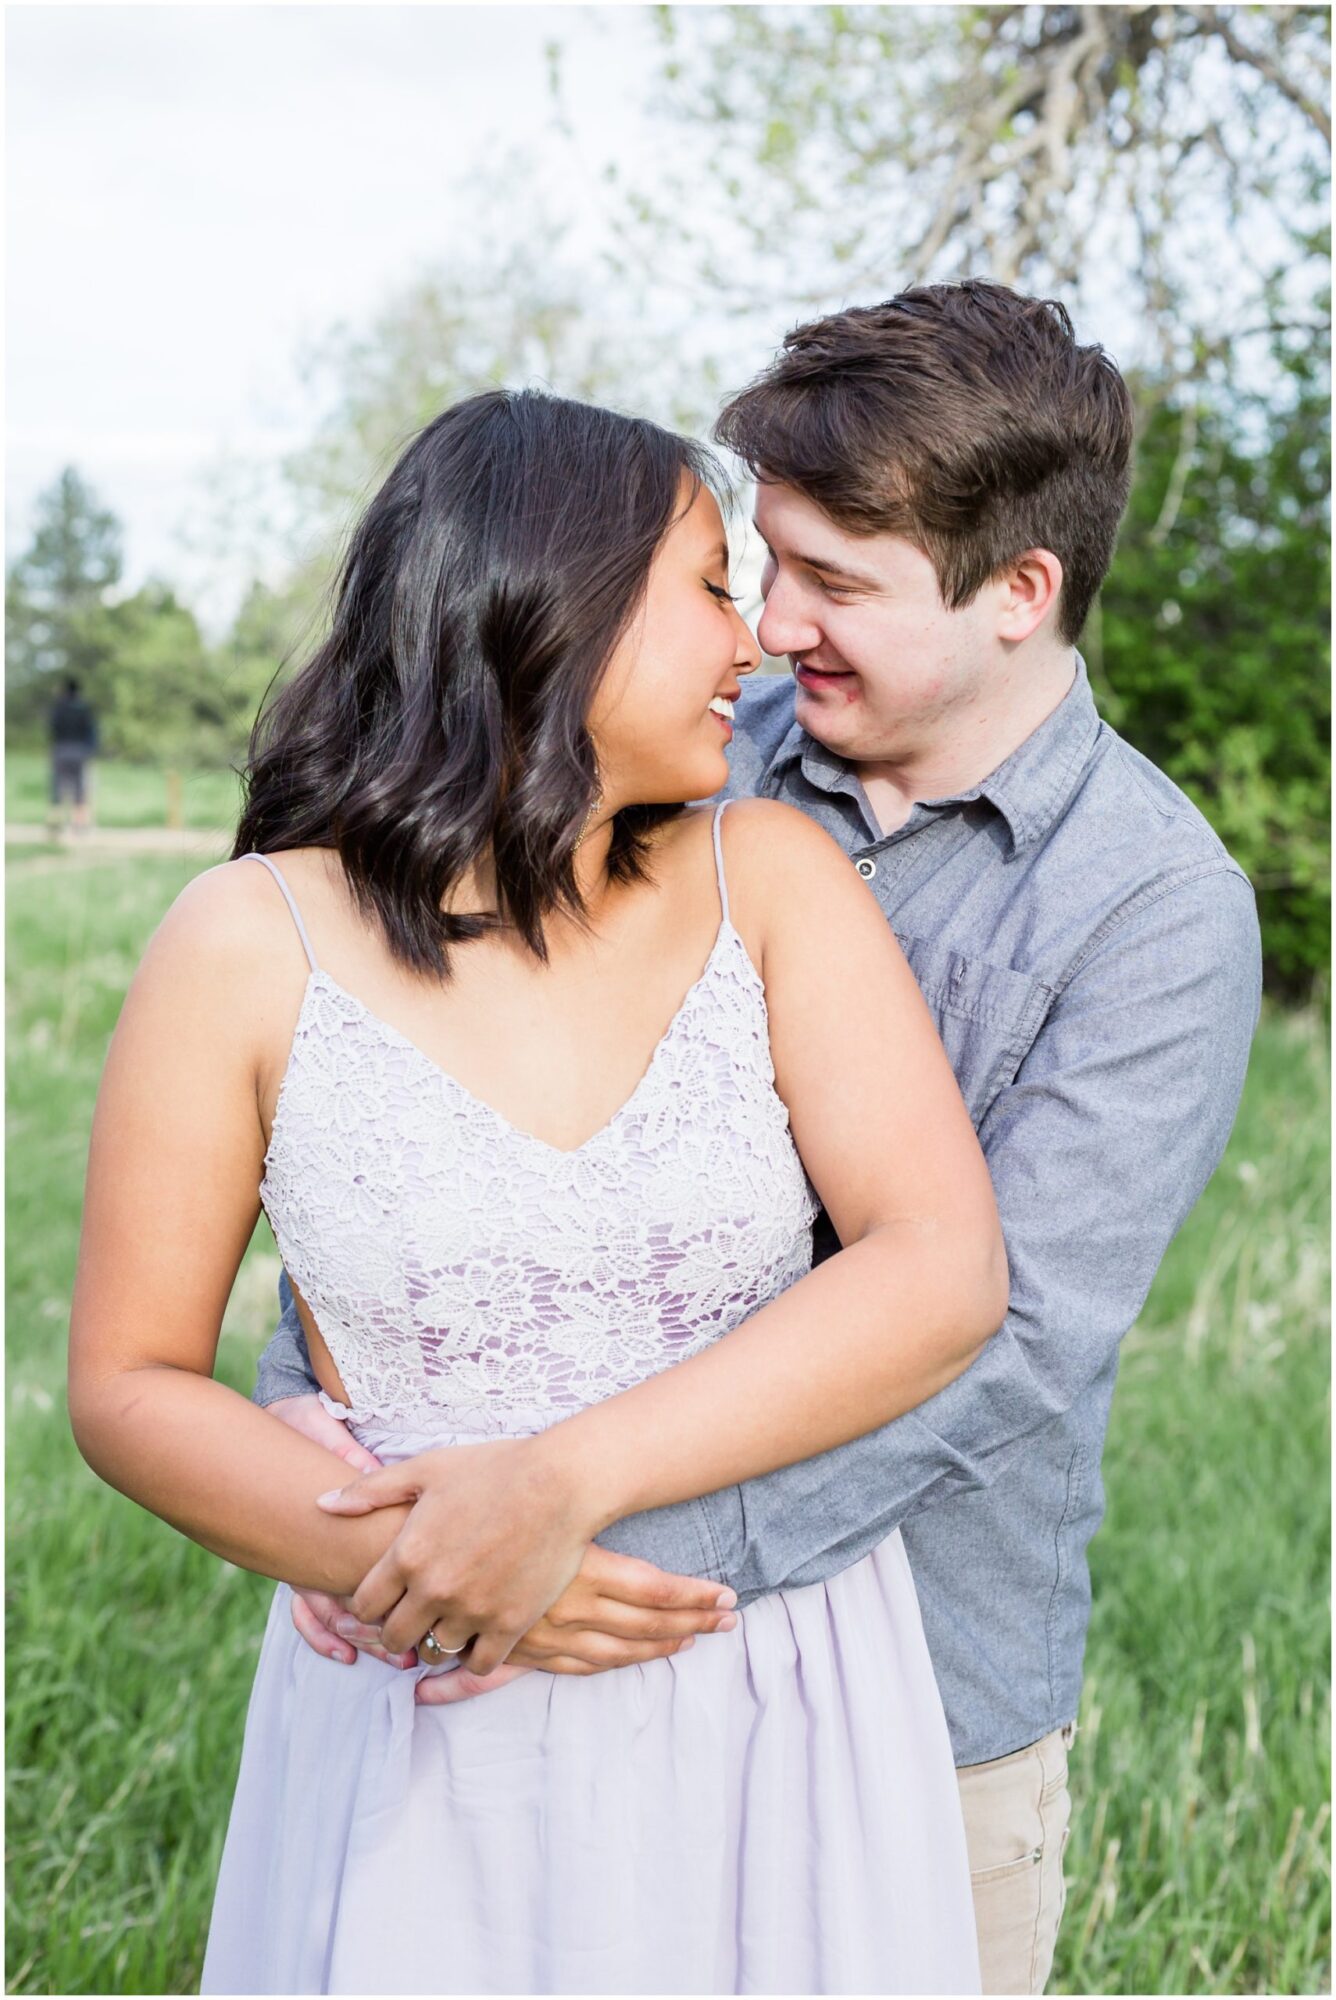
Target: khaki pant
1017	1812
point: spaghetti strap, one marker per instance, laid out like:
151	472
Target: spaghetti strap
719	860
290	900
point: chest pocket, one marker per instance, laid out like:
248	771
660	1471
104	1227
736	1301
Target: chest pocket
987	1015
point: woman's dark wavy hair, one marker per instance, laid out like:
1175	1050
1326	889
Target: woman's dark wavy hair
482	595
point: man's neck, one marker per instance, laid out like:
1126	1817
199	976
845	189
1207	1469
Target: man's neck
971	745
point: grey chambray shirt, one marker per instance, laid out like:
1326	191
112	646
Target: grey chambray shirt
1090	954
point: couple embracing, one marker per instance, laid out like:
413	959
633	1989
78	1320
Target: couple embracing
717	1129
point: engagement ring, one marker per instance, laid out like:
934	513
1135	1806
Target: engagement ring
430	1648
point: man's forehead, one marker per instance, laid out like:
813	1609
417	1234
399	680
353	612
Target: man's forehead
797	527
784	505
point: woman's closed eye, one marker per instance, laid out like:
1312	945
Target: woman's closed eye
717	590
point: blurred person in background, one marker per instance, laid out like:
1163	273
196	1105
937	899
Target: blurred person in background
72	727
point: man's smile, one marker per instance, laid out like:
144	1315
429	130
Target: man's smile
820	677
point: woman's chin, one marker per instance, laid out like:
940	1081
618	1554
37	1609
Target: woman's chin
700	779
713	778
682	780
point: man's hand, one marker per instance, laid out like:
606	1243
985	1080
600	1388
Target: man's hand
308	1415
329	1628
321	1620
616	1612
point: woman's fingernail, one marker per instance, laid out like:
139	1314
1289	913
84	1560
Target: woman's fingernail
323	1499
726	1624
686	1645
726	1599
346	1627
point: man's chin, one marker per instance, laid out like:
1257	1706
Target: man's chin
826	713
843	727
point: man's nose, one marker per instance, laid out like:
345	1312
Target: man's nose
784	626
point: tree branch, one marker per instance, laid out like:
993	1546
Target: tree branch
1214	22
1178	478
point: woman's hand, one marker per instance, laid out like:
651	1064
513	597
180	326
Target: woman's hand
496	1534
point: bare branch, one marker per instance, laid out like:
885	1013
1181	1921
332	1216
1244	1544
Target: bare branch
1215	22
1178	477
970	172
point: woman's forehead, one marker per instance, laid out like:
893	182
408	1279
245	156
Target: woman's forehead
703	524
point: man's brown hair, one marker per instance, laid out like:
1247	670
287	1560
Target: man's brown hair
964	417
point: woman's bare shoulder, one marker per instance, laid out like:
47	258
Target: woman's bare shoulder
751	826
765	820
211	988
778	863
780	858
229	921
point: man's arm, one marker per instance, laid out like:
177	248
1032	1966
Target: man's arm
1098	1151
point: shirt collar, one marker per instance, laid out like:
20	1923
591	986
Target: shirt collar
1029	789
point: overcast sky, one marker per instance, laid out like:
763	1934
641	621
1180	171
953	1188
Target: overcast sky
193	192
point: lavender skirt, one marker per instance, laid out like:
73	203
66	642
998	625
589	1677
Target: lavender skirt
775	1811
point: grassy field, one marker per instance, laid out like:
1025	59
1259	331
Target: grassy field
1198	1862
123	794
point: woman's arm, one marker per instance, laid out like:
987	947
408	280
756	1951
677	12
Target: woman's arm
902	1310
882	1130
174	1165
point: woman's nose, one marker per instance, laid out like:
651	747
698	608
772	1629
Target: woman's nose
747	657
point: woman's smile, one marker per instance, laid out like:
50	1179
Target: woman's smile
722	709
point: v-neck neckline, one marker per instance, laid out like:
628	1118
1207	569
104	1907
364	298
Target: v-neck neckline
317	976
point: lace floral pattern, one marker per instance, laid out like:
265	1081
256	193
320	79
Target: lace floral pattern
466	1272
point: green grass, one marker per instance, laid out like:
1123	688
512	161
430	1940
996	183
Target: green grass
1198	1861
123	794
1199	1857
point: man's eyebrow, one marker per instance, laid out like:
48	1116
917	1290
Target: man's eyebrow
825	568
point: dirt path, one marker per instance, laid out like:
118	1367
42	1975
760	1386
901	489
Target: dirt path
103	844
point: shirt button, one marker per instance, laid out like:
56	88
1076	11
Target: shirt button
866	868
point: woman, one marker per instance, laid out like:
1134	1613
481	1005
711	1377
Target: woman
416	1028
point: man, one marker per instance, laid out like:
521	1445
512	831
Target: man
939	485
73	730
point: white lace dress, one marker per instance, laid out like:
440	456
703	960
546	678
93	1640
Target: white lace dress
775	1811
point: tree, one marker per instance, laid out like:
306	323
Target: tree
518	309
269	638
1209	645
1124	155
157	699
74	559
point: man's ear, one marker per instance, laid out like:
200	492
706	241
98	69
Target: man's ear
1030	591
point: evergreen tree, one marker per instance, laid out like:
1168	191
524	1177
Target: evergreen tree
52	595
